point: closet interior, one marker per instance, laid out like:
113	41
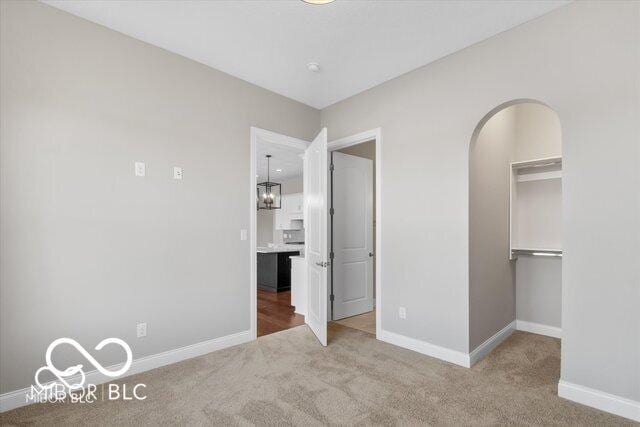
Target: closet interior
535	215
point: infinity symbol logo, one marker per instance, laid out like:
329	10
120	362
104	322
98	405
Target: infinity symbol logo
77	369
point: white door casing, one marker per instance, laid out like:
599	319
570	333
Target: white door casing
352	235
316	253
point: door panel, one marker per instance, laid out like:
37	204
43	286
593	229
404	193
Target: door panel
315	194
352	235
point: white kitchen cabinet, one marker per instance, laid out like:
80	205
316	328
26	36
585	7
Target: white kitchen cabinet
291	215
299	284
281	217
295	205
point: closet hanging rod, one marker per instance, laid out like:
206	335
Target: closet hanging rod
538	252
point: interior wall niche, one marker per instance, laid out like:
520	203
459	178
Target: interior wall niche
515	220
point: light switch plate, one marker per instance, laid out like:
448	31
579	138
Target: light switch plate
243	234
140	168
177	172
402	312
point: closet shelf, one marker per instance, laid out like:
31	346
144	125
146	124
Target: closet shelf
539	176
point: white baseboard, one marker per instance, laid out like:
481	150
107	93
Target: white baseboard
18	398
537	328
442	353
483	349
600	400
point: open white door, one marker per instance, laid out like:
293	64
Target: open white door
352	235
316	254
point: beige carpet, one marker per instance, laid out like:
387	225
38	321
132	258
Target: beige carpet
287	379
363	322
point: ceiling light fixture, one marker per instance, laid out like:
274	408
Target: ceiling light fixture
268	193
317	1
314	67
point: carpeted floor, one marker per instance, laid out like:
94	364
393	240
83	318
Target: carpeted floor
288	378
363	322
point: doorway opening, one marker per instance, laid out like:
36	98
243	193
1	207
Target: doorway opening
308	271
515	226
278	236
354	212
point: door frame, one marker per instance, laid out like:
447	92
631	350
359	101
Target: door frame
369	135
262	135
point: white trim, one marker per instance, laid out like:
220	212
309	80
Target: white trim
536	162
373	134
279	139
600	400
356	139
485	348
18	398
537	328
442	353
273	138
538	176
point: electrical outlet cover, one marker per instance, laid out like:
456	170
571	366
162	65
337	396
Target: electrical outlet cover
141	330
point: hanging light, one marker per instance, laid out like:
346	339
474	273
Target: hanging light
268	193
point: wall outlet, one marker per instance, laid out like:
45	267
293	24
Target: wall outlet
177	172
141	330
402	312
140	168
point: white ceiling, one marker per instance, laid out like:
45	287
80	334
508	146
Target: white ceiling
284	158
358	44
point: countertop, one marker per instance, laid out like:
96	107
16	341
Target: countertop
280	248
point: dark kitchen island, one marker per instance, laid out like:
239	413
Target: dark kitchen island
274	269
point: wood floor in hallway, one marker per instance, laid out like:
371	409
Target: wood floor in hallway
275	312
365	322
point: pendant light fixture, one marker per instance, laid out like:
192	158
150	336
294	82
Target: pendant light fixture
268	193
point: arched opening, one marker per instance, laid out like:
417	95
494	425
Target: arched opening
515	219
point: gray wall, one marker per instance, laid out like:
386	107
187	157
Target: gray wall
589	74
539	290
88	249
491	274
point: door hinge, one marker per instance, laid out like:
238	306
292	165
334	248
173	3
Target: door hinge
331	297
331	255
331	167
331	211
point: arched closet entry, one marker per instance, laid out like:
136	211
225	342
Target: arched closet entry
515	218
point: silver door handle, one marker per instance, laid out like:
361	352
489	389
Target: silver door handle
322	264
370	254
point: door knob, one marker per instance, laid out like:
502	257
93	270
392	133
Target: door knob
322	264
